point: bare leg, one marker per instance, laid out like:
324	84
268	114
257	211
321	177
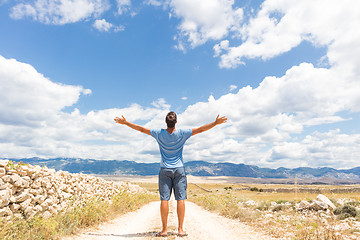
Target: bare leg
181	215
164	210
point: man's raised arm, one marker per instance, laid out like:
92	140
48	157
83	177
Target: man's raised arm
219	120
132	125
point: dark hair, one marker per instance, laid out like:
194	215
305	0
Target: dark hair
171	119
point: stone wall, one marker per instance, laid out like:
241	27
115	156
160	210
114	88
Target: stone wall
26	190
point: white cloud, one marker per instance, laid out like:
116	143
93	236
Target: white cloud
269	115
160	103
304	96
102	25
322	22
332	149
33	123
156	3
119	28
203	20
87	91
59	12
27	97
123	6
184	98
232	87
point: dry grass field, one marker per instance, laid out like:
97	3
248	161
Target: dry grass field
272	207
221	185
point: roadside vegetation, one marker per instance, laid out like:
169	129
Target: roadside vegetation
92	212
277	213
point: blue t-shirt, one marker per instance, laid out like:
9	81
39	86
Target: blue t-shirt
171	146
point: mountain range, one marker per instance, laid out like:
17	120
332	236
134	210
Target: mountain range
195	168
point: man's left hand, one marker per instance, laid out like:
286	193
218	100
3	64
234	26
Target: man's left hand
120	120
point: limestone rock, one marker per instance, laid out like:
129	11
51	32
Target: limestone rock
10	170
23	196
14	178
21	172
38	208
52	210
22	182
2	171
28	210
46	183
343	226
4	212
6	178
2	184
250	203
5	196
39	199
12	199
324	199
302	205
14	207
46	214
341	201
317	205
35	192
3	163
24	205
36	183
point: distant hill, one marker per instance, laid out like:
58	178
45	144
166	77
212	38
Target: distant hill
195	168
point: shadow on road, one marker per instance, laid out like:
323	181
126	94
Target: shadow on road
130	235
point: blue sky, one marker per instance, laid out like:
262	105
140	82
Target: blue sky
285	73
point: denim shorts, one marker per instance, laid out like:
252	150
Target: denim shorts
172	178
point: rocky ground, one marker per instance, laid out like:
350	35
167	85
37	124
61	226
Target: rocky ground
319	218
26	190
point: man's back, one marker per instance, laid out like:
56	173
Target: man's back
171	146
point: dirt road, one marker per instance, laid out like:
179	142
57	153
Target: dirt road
145	222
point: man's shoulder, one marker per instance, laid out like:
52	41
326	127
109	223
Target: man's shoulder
185	131
155	131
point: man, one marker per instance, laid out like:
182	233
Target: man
172	173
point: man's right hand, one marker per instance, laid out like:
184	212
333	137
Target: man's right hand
220	120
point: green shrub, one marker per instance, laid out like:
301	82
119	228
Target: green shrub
255	189
278	208
345	211
353	203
